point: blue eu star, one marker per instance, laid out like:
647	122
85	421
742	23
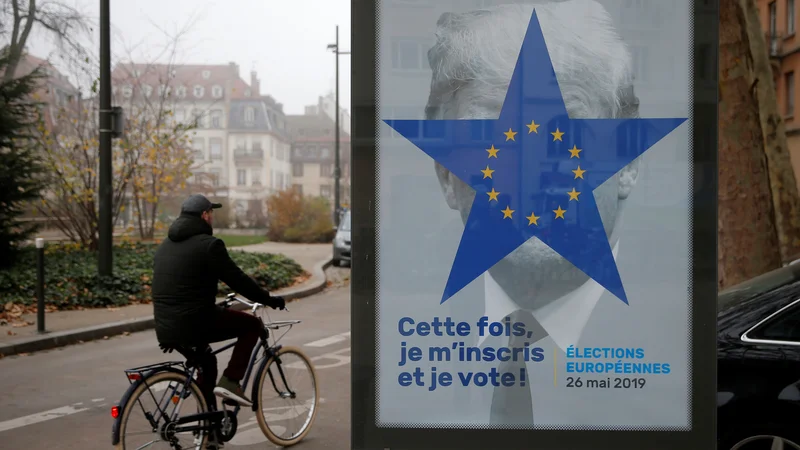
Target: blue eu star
535	172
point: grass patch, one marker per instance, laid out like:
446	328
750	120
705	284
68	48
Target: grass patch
237	241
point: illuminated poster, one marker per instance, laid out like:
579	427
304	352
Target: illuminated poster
528	245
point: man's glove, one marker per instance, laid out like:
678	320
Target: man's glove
277	302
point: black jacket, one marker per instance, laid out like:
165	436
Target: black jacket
186	269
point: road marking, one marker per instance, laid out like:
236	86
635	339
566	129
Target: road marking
97	400
329	340
39	417
336	356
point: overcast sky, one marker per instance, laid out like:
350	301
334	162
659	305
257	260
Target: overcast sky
284	40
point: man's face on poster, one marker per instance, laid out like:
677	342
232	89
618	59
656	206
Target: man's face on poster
533	275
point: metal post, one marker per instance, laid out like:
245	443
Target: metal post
336	171
40	285
105	225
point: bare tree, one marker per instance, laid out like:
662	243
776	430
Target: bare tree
66	23
748	242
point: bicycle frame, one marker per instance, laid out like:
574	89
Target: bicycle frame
139	375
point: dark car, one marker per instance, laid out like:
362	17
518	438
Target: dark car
758	357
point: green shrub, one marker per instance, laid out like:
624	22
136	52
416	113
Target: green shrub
71	278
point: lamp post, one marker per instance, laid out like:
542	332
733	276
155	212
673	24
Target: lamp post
336	171
105	225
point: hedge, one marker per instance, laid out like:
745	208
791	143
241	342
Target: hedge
72	281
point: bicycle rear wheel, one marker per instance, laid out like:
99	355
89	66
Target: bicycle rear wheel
287	395
160	397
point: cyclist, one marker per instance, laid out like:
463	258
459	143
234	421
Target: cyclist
187	267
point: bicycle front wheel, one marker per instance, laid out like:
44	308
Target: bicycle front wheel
143	423
287	396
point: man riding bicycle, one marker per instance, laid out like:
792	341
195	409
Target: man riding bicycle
187	267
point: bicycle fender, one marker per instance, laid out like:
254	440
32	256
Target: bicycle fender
127	396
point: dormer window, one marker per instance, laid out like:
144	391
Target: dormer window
127	90
206	74
249	114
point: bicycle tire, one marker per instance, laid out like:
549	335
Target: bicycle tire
143	388
262	377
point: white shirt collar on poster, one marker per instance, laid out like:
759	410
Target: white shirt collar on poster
563	319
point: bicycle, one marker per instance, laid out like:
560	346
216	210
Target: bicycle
200	424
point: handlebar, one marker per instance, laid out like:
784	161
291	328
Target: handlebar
230	298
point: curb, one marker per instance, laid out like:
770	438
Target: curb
57	339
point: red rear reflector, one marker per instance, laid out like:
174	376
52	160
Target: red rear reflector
134	376
115	411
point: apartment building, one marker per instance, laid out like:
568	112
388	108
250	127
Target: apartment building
327	105
313	156
234	124
779	22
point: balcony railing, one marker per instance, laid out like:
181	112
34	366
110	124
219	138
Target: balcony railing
245	154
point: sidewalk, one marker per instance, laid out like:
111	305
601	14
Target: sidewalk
70	327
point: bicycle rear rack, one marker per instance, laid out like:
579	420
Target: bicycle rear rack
138	373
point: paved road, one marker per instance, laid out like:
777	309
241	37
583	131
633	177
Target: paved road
61	399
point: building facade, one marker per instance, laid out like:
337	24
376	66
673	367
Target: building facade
240	143
313	157
779	22
327	105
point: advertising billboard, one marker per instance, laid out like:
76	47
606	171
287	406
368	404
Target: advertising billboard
533	224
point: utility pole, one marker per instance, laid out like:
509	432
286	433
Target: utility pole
337	172
105	226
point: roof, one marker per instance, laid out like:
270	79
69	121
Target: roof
29	62
267	117
189	75
314	128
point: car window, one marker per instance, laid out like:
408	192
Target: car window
345	224
783	327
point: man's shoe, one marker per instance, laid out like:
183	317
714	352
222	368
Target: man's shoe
231	390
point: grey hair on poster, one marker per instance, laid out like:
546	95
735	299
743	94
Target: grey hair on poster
476	52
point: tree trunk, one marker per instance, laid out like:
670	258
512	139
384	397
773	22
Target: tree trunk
785	200
748	240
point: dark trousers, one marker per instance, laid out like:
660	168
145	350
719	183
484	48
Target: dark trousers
226	325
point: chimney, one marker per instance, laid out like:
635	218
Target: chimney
234	68
254	87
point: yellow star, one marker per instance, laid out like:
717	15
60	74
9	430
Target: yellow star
493	195
574	152
510	135
533	128
492	151
507	213
532	219
559	212
487	173
573	195
578	173
557	135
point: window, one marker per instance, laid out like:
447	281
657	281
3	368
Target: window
198	146
216	91
280	153
409	54
180	115
216	118
164	90
325	170
790	94
326	152
297	169
216	174
127	90
241	177
241	143
206	74
215	147
147	90
298	188
785	326
249	114
256	145
325	190
790	17
181	92
255	177
199	91
198	119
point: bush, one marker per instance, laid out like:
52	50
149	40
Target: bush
294	218
71	278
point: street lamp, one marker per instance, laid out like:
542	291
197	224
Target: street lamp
336	170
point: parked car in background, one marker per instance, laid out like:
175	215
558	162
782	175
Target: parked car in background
341	242
758	363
